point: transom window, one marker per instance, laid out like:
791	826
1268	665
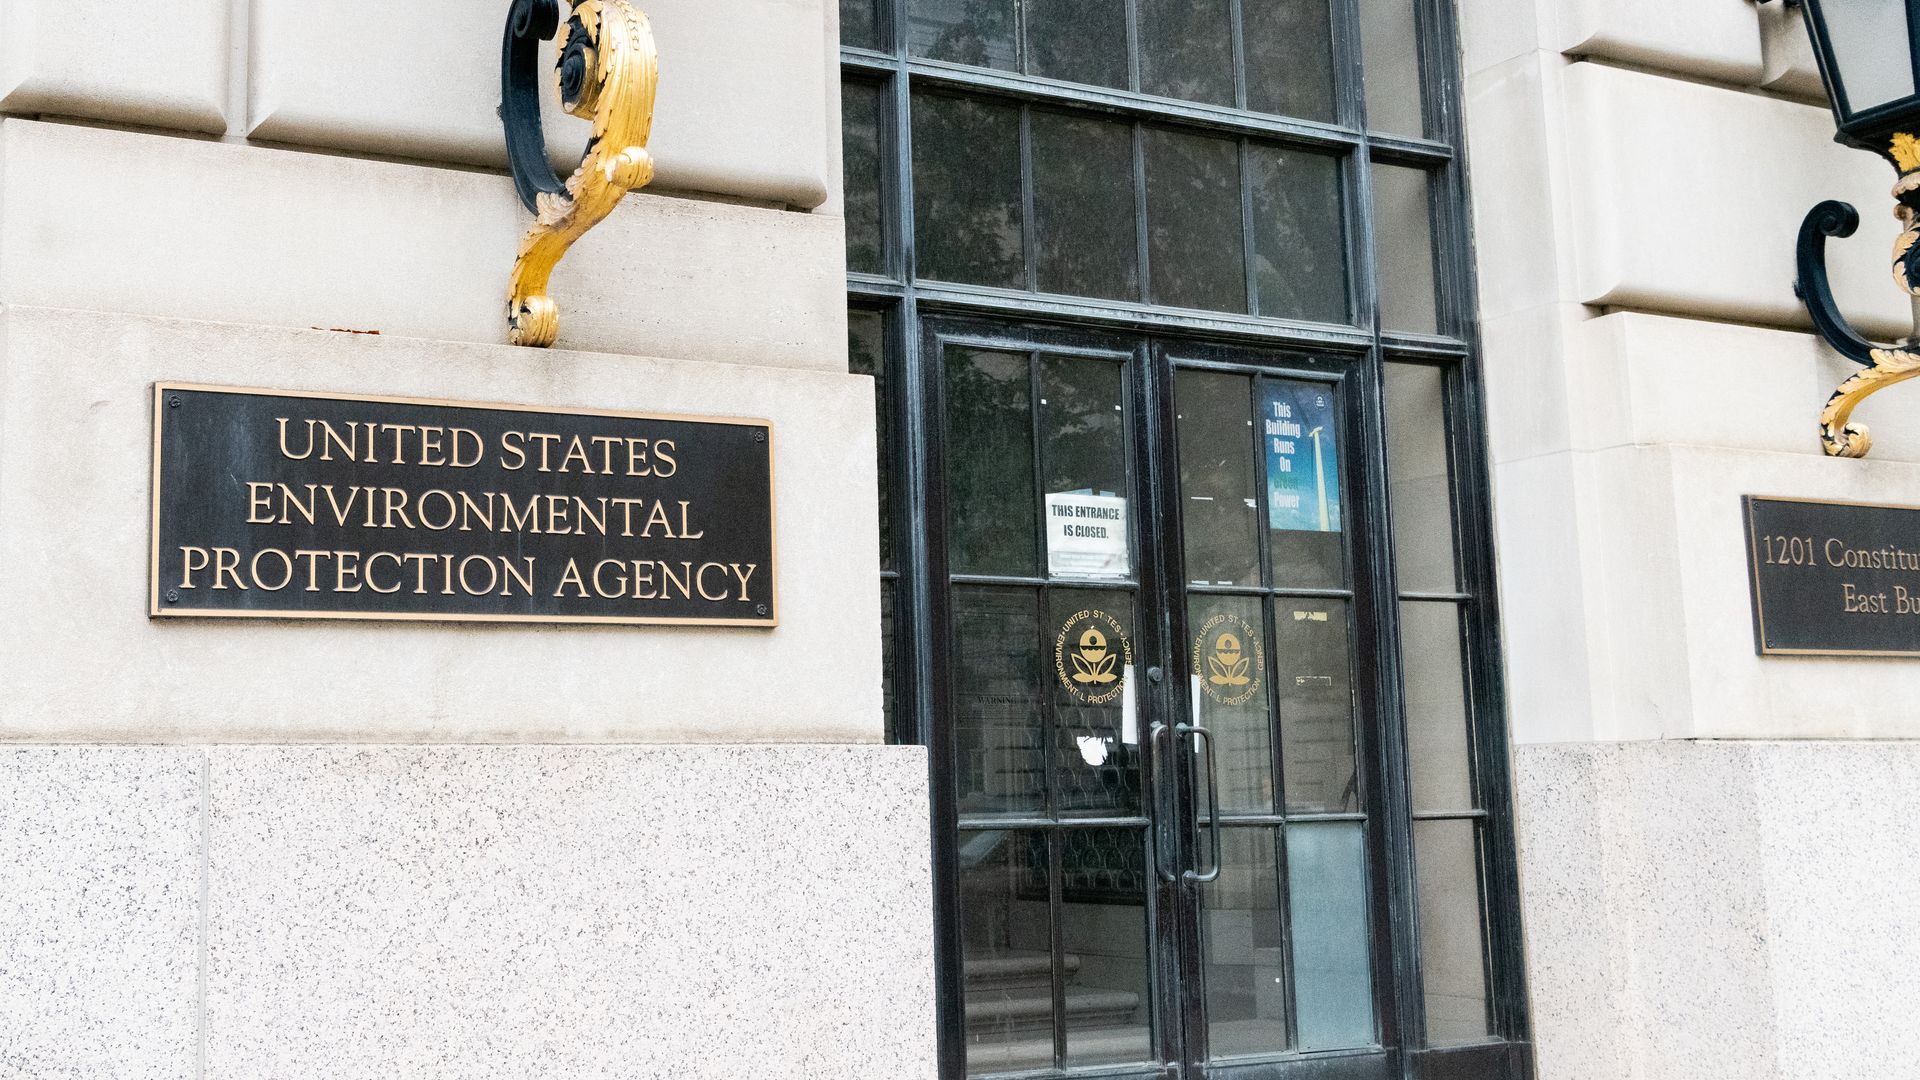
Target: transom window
1186	567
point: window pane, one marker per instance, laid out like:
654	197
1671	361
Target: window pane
1289	57
1245	946
1870	42
999	759
1217	444
1420	475
1194	236
1403	226
1436	695
1332	961
860	135
1300	445
1452	951
1230	696
990	462
1186	49
1104	921
859	26
1083	207
1300	252
1096	721
899	728
1083	41
1083	429
1311	651
866	355
966	196
1389	44
977	32
1006	942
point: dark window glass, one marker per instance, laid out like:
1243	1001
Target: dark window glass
1232	665
1104	923
1389	44
1186	49
1083	41
1097	738
1300	254
1403	231
859	25
1083	426
897	727
966	195
1289	57
1196	246
1083	207
860	135
1217	500
999	755
976	32
1436	696
1006	941
1452	931
866	355
1244	941
1333	970
1316	705
990	462
1420	477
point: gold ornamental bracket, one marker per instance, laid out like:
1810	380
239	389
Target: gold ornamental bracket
608	72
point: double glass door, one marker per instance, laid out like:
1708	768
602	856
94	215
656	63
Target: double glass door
1157	690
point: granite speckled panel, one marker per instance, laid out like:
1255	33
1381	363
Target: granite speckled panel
491	912
99	913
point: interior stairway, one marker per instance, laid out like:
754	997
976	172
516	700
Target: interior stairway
1010	1016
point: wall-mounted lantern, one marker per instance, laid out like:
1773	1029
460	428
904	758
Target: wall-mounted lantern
1869	56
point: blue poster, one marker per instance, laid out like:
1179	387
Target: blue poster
1303	456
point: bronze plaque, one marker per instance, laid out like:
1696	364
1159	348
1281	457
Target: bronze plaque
276	504
1834	578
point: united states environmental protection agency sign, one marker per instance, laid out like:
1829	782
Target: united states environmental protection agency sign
275	504
1834	578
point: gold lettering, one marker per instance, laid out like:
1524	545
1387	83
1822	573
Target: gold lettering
585	514
626	514
685	534
471	509
511	443
420	572
331	438
286	564
340	512
420	510
657	517
226	563
255	502
637	458
287	501
643	572
700	580
601	588
517	522
478	444
344	570
576	449
512	576
289	454
743	576
664	449
399	442
571	576
493	575
430	445
546	442
400	509
557	514
684	580
606	443
313	567
397	565
188	568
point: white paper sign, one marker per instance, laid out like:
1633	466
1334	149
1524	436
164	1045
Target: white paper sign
1087	537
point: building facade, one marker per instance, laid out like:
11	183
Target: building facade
1262	588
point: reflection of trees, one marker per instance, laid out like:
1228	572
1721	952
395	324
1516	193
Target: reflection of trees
1084	436
860	114
1186	49
1193	221
1083	201
977	32
1300	266
990	462
966	191
1082	41
1289	47
858	26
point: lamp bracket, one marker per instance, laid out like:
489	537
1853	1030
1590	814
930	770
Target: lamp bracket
1884	365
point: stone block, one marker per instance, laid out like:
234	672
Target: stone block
1523	222
84	662
467	912
1692	197
244	234
743	88
1790	68
159	65
100	854
1714	39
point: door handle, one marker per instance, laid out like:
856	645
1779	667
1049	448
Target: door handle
1212	873
1160	815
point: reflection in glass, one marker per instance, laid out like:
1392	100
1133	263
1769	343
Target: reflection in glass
1389	45
859	26
1452	921
1332	965
1217	501
1103	919
1436	696
990	462
1082	41
1096	742
1870	44
1404	225
1300	258
1312	656
1083	432
1006	941
966	197
999	756
1195	245
860	140
1303	466
1245	948
976	32
1289	46
866	355
895	722
1186	50
1420	476
1083	207
1230	683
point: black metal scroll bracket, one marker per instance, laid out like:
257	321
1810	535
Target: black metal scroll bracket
1830	218
529	22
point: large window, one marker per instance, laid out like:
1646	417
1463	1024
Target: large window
1187	576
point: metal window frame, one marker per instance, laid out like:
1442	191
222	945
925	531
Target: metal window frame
922	684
